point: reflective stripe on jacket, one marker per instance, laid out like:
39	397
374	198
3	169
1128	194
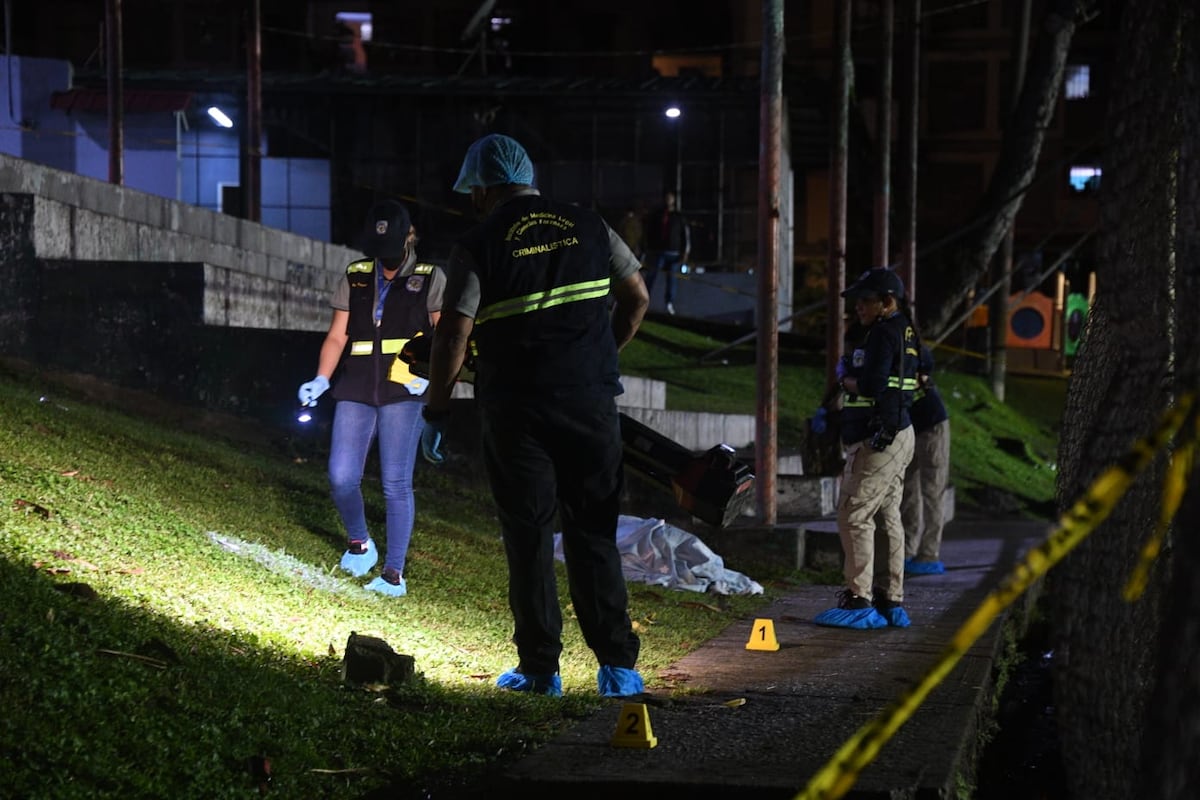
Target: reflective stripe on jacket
370	372
543	323
888	358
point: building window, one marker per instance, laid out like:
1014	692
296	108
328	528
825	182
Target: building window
1079	80
356	20
1085	178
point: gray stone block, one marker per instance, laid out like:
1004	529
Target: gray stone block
192	221
224	228
822	545
698	430
642	393
52	229
800	496
101	237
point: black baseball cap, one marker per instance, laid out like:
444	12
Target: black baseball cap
878	281
386	230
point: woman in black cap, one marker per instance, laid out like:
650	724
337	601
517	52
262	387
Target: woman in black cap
878	380
381	302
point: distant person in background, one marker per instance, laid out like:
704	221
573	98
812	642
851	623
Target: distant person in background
380	303
668	245
633	232
927	475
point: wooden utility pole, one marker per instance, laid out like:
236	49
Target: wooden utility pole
883	186
909	135
769	180
1002	263
252	130
839	137
116	104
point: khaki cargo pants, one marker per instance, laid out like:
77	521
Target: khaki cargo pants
924	488
873	483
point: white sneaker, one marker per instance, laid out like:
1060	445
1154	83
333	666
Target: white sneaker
671	309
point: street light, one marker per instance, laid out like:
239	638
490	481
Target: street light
676	113
220	117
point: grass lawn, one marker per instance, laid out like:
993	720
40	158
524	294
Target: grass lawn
173	618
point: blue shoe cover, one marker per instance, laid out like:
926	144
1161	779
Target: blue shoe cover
619	682
360	564
860	618
897	617
924	567
549	685
387	587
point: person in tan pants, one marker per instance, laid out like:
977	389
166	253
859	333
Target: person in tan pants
878	380
927	475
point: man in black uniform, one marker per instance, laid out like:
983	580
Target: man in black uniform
530	287
878	381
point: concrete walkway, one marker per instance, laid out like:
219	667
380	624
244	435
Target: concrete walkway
805	700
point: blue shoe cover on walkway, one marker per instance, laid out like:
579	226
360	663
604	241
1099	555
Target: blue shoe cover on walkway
860	618
359	564
387	587
897	617
924	567
549	685
619	682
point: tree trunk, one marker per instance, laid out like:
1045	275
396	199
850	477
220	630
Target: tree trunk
1171	768
966	261
1106	652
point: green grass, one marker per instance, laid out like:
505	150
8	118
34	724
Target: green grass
1010	446
172	609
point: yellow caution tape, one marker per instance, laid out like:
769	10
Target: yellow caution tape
1179	470
834	779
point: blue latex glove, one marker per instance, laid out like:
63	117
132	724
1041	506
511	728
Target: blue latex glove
309	392
819	423
431	442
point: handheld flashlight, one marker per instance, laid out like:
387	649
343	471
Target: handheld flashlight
304	412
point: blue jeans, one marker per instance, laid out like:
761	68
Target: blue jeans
666	262
397	426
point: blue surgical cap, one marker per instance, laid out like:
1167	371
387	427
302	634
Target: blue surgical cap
494	160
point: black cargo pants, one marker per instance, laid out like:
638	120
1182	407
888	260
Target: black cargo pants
558	459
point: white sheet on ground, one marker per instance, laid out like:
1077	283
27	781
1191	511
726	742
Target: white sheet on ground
659	554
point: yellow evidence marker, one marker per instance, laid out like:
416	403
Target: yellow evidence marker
633	728
762	636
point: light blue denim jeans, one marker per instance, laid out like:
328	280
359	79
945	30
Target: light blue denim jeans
397	428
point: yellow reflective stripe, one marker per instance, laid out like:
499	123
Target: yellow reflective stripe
387	347
859	402
537	301
422	269
908	384
361	266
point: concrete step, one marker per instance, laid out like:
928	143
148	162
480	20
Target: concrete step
811	543
697	430
639	393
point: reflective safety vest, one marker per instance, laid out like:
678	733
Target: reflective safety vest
543	325
383	317
894	340
859	401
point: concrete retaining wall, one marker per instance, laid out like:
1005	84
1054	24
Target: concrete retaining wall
255	276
